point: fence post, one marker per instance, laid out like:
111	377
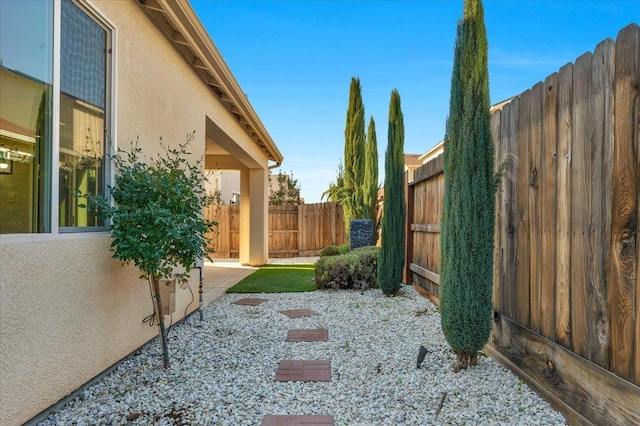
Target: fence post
408	241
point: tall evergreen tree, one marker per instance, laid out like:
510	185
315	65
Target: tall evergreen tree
354	144
391	257
468	213
370	188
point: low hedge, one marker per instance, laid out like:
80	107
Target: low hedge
357	269
332	250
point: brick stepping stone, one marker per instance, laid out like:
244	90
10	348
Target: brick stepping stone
251	301
303	371
308	335
299	313
297	420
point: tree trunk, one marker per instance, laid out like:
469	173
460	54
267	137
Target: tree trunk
462	361
157	305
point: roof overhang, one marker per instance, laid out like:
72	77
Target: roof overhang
182	27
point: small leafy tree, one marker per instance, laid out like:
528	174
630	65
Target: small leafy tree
393	220
287	192
468	209
157	220
215	197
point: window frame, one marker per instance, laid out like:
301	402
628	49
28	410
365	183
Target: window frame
51	195
109	111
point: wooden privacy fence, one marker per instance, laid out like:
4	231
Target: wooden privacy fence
300	230
566	261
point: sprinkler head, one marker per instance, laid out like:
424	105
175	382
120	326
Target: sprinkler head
421	354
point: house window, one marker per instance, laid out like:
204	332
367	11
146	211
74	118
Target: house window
83	99
33	154
26	78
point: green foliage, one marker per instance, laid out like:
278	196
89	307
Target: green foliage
332	250
468	213
157	222
278	279
354	153
393	218
336	192
356	269
370	184
329	250
344	248
287	193
215	197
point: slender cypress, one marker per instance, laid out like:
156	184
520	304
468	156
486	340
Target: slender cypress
354	144
391	257
370	189
468	212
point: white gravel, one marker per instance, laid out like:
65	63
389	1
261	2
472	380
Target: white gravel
223	370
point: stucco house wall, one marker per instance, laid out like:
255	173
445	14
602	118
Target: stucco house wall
68	311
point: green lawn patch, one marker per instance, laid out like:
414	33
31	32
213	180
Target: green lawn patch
278	279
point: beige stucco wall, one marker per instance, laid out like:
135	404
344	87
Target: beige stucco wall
68	310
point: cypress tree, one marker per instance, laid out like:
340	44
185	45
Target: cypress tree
370	189
468	212
354	144
391	257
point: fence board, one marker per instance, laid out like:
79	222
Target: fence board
580	202
535	212
548	200
497	233
624	257
509	139
601	111
523	313
563	223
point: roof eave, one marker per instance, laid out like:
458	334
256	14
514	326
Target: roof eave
184	30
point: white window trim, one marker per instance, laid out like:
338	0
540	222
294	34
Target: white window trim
54	233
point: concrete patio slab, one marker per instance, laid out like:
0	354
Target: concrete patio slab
220	275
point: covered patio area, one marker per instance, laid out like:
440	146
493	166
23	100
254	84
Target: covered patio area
220	275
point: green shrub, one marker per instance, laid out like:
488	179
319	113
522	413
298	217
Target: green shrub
332	250
364	268
344	248
329	250
356	269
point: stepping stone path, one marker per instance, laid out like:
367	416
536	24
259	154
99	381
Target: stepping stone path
298	370
250	301
299	313
308	335
303	371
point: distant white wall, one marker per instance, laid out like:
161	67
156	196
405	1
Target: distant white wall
228	182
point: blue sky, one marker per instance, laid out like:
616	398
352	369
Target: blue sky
295	60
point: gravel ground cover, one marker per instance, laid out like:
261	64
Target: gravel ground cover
223	370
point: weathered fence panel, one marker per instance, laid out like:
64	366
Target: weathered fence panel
567	262
300	230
